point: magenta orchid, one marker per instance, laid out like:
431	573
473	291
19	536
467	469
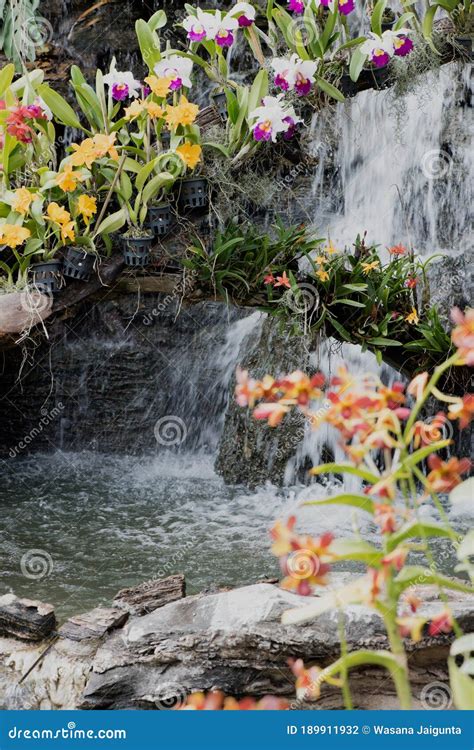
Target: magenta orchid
273	117
380	49
122	85
294	74
296	6
178	69
211	26
245	14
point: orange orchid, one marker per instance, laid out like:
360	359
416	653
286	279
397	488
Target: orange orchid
463	410
446	475
442	623
463	335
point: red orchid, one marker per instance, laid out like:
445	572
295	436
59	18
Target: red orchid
269	279
442	623
463	410
463	335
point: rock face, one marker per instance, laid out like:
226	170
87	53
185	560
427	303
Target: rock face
232	641
25	619
250	452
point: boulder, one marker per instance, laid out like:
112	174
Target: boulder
25	619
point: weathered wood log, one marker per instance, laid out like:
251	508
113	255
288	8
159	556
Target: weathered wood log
94	624
148	596
26	619
20	311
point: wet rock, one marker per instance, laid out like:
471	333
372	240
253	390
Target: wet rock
25	619
251	452
148	596
93	624
233	641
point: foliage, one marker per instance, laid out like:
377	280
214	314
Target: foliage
239	256
20	30
387	442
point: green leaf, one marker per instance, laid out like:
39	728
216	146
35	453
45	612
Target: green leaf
330	89
161	181
357	550
356	501
417	575
357	63
112	223
258	90
414	530
59	107
345	301
158	20
149	44
334	468
6	77
376	17
354	287
428	20
414	458
381	341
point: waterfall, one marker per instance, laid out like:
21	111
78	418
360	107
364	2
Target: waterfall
404	166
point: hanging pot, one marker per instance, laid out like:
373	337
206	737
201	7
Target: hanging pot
463	44
78	264
136	250
193	193
160	219
347	86
47	276
220	103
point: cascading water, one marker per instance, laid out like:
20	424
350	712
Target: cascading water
404	166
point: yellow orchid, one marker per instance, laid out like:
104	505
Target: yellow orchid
159	86
322	274
105	144
368	267
22	200
87	207
331	250
67	179
183	114
57	214
13	235
67	231
84	154
154	110
134	110
412	317
190	153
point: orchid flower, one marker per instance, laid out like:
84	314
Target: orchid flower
244	12
296	6
293	73
122	84
199	26
176	68
402	44
272	117
379	49
211	26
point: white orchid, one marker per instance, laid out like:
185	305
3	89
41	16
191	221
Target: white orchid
272	117
293	73
378	48
122	84
177	68
244	12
